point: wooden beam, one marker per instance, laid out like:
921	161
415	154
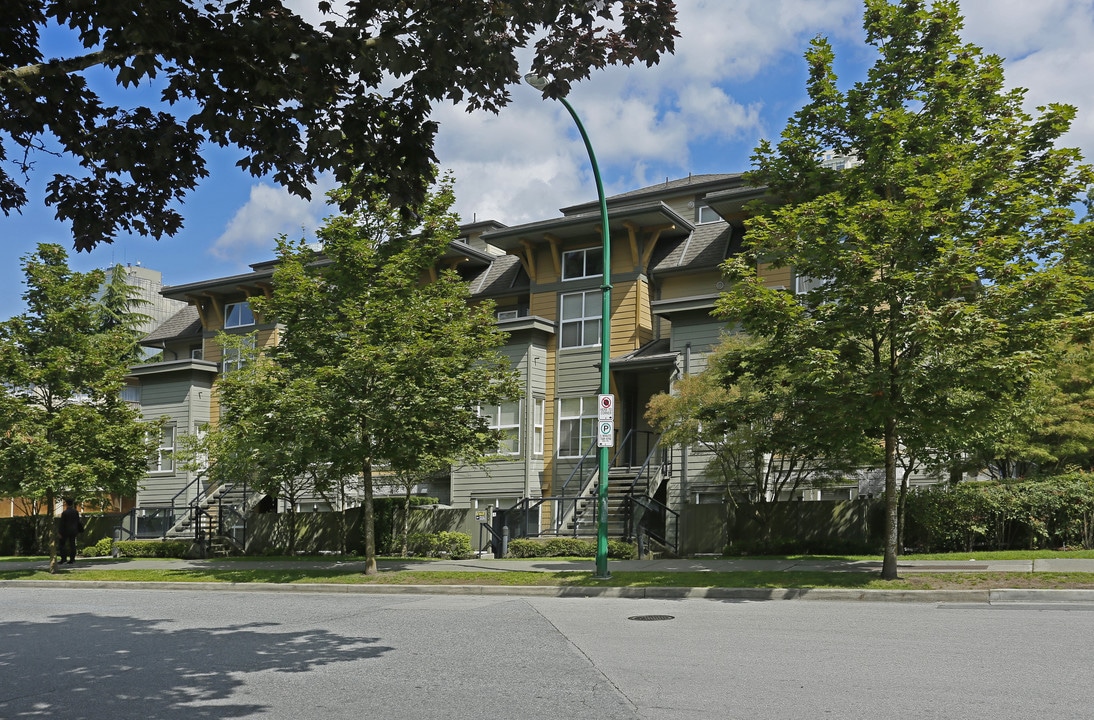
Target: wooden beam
556	252
218	309
529	259
196	302
651	243
632	237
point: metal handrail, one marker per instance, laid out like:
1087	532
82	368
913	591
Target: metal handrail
525	506
648	505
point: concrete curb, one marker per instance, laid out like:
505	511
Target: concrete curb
987	597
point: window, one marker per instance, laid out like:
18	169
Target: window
238	315
706	215
581	319
131	394
195	352
576	425
164	458
804	284
506	419
582	263
234	359
537	426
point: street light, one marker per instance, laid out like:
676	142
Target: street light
602	573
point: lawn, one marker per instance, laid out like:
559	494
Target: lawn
286	571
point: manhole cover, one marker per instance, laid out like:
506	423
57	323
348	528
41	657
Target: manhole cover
648	618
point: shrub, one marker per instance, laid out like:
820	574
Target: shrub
621	549
453	545
569	547
99	549
154	548
1048	512
525	548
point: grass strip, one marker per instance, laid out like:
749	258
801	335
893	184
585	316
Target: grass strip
643	579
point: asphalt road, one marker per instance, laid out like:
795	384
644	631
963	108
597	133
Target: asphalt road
100	654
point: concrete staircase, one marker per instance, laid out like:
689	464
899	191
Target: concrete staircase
584	515
202	517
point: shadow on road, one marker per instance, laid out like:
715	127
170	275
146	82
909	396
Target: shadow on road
90	665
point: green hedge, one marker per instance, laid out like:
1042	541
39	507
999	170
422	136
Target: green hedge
103	547
568	547
154	548
453	545
387	521
1053	512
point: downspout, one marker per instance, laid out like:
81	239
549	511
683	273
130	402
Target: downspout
530	423
684	490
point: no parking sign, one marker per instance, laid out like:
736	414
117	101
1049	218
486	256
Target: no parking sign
605	427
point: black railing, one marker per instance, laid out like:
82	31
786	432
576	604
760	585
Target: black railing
522	519
147	522
652	517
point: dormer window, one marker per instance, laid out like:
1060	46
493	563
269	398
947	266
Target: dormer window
238	315
706	214
577	264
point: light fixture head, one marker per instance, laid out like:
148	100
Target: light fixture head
536	81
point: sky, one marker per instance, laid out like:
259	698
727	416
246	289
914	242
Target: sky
737	75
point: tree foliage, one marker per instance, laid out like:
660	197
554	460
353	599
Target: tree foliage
946	259
756	423
64	428
354	91
378	364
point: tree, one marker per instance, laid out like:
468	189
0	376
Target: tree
749	415
392	368
946	259
64	428
267	433
354	91
1052	432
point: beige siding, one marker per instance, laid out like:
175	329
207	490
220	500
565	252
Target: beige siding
691	285
775	277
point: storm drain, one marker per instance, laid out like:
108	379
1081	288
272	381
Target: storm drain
650	618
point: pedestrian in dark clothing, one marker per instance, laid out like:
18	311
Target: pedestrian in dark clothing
71	526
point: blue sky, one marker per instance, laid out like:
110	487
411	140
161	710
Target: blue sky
736	77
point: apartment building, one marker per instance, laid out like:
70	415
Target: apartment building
667	243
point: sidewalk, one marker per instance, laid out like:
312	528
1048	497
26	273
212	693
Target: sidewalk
652	566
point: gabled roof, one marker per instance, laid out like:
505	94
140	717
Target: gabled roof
183	324
654	354
706	247
504	276
586	224
699	184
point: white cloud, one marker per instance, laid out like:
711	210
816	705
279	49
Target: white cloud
268	213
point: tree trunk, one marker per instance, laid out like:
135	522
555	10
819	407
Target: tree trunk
892	502
902	516
291	541
368	517
406	519
342	549
53	532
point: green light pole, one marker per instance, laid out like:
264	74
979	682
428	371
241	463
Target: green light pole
605	337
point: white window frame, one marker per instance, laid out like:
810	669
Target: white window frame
591	301
238	314
164	459
232	359
705	210
805	283
511	435
538	409
584	254
583	422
